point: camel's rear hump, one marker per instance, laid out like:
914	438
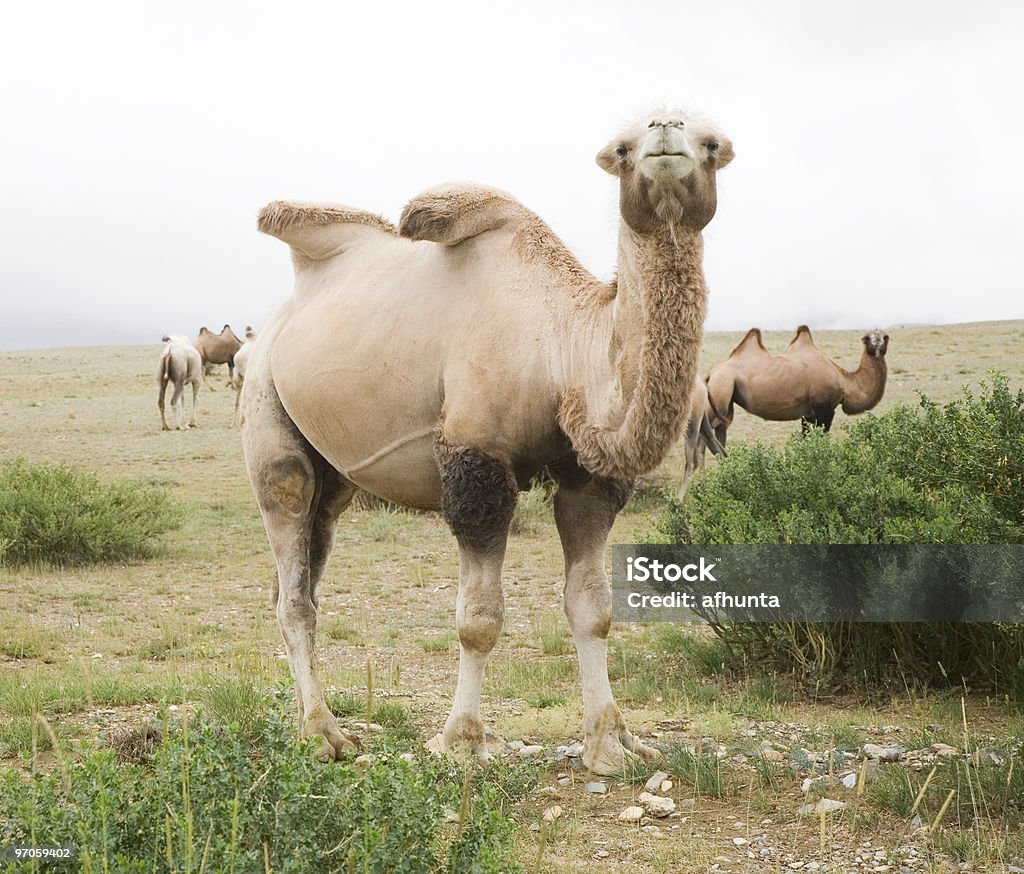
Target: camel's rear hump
318	230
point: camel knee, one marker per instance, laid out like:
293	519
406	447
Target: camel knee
588	601
479	626
296	610
478	496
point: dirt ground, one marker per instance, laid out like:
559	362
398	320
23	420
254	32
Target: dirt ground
166	626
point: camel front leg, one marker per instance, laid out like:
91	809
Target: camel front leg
479	615
478	498
585	508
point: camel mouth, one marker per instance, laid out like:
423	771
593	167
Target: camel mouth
666	166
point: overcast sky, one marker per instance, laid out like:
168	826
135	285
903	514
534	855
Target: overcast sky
878	175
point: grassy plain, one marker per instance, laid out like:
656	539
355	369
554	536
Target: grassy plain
101	647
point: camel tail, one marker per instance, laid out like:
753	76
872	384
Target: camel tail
163	370
318	230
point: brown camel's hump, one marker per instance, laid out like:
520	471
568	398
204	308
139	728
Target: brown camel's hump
802	337
752	337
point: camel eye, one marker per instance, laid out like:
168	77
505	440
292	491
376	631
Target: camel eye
712	146
622	151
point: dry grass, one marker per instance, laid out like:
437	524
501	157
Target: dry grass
91	646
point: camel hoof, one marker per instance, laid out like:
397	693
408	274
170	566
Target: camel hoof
492	747
613	757
334	740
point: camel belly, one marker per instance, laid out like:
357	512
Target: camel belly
380	355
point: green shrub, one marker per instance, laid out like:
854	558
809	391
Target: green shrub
944	474
60	516
207	798
939	474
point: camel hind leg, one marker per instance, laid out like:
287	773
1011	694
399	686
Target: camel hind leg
178	403
300	496
195	401
478	497
585	509
160	402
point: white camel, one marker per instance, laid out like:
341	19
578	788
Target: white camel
443	363
180	364
241	361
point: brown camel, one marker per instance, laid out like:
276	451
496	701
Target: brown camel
699	435
218	349
801	383
180	364
443	363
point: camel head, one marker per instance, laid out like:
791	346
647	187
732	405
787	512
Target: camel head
875	343
666	166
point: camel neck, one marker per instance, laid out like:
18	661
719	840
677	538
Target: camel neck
864	387
657	322
659	308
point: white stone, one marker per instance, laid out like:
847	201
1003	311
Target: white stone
552	813
655	805
825	805
890	753
596	788
655	781
531	750
631	814
945	751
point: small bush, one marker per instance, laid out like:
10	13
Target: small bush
204	797
938	474
63	517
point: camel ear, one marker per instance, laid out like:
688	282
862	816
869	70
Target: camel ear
608	160
725	152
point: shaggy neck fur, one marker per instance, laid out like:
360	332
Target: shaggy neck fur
658	323
864	388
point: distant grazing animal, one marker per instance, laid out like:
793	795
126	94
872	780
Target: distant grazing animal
180	363
699	435
241	359
443	363
801	383
218	349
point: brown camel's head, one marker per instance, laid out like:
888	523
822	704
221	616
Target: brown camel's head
666	165
876	343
